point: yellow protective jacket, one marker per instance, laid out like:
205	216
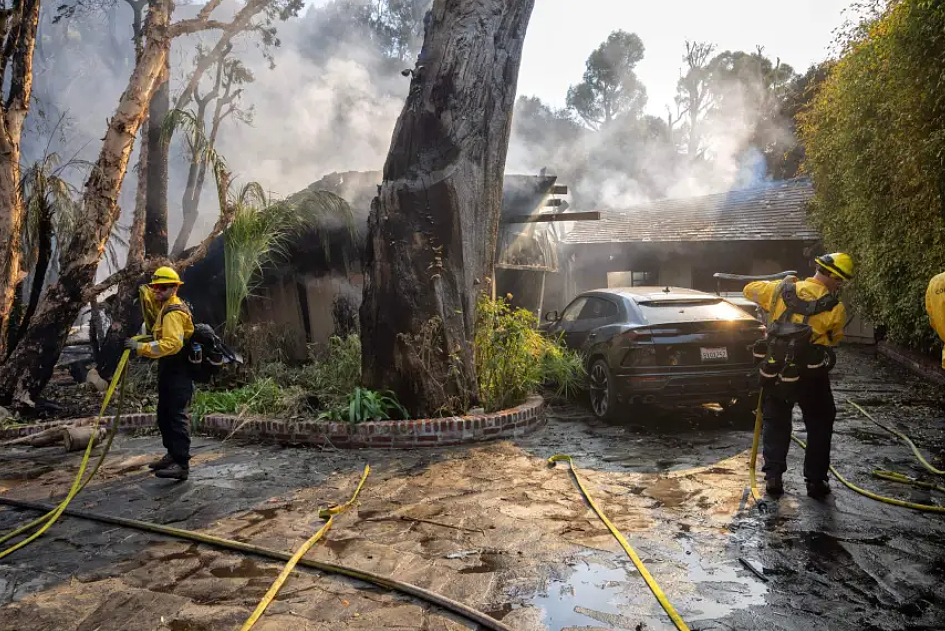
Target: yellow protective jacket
168	332
935	307
827	327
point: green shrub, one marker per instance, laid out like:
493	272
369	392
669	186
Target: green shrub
263	397
514	360
366	405
875	147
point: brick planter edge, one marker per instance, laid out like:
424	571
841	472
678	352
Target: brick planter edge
456	430
128	422
917	363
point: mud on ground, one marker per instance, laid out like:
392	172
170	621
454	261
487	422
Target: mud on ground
511	537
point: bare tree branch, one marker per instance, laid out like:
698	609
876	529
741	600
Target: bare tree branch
208	8
240	23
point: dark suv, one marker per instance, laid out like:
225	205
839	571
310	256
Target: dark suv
661	346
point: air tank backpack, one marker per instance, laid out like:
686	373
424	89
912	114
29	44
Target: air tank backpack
205	352
787	352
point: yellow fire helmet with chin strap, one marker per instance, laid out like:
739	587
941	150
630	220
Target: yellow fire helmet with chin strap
165	276
837	264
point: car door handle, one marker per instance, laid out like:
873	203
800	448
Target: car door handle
592	335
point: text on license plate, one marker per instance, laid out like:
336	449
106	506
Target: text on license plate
714	354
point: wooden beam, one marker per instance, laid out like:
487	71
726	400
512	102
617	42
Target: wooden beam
583	216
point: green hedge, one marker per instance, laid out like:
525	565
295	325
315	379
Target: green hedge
875	148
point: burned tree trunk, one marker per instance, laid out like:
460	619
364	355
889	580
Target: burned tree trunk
31	364
434	223
18	26
155	229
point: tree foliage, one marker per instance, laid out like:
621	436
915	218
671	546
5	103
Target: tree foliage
875	144
610	87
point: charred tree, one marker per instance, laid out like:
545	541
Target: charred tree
121	312
18	25
31	363
433	226
155	222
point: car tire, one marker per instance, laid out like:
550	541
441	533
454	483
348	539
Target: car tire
602	395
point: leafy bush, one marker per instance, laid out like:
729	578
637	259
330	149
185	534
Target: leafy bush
875	147
263	397
514	360
327	384
366	405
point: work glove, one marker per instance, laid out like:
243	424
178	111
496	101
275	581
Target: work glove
131	345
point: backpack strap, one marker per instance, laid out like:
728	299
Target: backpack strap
785	289
182	308
807	308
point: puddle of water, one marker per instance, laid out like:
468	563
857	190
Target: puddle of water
588	597
722	588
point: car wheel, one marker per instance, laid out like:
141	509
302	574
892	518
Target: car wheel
601	390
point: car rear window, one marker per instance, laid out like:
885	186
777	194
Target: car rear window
666	311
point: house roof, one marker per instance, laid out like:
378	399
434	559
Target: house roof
772	212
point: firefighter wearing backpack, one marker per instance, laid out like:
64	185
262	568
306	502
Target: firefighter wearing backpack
805	321
170	326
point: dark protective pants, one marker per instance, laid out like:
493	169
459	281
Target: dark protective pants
175	390
819	410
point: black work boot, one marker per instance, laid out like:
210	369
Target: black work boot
818	489
173	472
165	462
774	486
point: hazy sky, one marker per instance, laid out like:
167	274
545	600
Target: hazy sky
562	33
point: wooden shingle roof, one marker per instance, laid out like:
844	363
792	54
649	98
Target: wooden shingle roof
773	212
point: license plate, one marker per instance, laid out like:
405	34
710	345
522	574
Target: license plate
714	354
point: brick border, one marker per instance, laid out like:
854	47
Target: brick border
917	363
127	422
456	430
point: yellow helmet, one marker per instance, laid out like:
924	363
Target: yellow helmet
837	264
165	276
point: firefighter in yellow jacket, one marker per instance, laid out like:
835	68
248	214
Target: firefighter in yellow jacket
935	307
169	324
804	317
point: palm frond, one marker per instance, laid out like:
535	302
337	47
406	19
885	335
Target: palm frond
200	146
49	197
256	234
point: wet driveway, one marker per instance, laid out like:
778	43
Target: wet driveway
496	528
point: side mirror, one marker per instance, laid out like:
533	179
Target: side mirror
551	316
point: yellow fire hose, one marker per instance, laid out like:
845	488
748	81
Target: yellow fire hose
753	461
902	437
892	476
77	485
650	581
303	549
227	544
888	475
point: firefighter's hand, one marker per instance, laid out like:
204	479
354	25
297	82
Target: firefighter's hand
130	344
